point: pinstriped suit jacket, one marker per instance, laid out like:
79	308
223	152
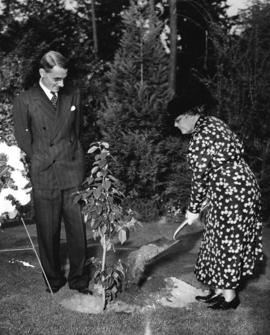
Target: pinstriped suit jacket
50	137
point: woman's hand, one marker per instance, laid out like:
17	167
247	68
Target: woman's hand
191	217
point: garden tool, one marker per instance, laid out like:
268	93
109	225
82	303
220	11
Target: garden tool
177	231
137	260
176	236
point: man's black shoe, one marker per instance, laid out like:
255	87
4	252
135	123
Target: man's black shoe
85	291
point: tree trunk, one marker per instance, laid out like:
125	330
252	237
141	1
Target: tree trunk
152	14
104	251
173	42
152	6
94	27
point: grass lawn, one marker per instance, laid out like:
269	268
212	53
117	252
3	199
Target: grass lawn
25	307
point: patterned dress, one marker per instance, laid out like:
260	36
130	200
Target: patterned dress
232	238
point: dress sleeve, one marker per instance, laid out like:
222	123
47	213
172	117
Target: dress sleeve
22	127
199	158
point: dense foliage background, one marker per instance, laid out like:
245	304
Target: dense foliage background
118	53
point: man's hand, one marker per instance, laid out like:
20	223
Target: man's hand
191	217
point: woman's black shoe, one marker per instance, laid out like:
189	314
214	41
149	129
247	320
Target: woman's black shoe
204	298
209	298
216	298
222	304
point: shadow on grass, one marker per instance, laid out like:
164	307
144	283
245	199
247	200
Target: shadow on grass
171	254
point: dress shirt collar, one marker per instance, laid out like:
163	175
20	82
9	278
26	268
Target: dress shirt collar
46	90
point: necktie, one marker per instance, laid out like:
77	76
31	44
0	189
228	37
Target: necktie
54	99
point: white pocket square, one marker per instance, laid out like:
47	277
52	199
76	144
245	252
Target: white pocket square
72	108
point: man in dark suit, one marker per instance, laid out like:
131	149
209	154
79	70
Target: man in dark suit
47	120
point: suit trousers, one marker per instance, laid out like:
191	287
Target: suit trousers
50	207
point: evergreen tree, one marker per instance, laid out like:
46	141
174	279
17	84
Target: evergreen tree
138	77
131	119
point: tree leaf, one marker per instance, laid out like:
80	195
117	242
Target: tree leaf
99	174
99	209
104	154
92	149
107	184
94	170
102	163
122	235
90	180
105	144
97	192
108	245
97	276
77	197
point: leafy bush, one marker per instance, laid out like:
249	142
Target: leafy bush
101	200
6	123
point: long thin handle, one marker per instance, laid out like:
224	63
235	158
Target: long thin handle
182	225
39	262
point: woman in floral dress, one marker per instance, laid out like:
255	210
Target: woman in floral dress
232	238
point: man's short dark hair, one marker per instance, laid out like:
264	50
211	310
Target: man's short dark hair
51	59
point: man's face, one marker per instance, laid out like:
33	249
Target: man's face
54	79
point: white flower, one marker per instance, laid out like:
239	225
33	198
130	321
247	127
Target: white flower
6	206
164	37
18	178
12	214
4	148
23	196
13	154
14	158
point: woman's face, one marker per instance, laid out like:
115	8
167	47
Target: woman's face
186	123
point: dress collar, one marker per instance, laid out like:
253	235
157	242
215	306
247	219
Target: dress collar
199	124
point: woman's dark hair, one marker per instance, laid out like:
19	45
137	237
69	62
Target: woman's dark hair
195	100
51	59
